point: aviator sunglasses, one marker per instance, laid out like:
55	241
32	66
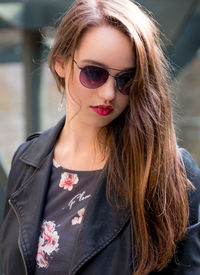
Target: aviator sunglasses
93	76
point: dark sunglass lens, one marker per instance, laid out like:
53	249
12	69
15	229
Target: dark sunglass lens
93	77
124	82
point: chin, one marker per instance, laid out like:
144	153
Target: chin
99	123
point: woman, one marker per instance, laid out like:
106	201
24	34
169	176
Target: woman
106	190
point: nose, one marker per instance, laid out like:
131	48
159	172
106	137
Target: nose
107	90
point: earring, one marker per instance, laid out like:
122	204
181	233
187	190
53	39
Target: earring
60	105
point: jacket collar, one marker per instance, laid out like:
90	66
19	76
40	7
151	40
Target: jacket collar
42	146
28	201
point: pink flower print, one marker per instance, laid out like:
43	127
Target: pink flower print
81	212
40	258
48	226
77	220
48	243
68	180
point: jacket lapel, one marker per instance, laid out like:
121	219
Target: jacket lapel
102	222
28	203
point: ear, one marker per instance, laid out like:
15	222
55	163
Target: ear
60	67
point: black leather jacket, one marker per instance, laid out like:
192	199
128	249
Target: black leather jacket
105	243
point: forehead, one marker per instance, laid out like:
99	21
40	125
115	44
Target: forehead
106	45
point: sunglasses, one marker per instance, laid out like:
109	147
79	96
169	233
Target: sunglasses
92	77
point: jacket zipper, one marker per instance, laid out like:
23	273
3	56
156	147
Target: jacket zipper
19	244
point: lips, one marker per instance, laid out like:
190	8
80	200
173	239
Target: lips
102	110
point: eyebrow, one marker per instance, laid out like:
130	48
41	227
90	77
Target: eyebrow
93	62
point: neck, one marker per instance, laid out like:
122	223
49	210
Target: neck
77	148
77	139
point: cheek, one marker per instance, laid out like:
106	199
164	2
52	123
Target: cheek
73	84
122	101
78	91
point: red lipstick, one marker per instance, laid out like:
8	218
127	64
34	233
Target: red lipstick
102	110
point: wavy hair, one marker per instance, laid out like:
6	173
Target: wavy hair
145	169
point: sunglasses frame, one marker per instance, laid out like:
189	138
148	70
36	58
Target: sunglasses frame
114	76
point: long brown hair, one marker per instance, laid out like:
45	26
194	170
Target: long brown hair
145	167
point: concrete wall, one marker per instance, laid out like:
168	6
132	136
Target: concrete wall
188	108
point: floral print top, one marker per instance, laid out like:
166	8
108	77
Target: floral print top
68	195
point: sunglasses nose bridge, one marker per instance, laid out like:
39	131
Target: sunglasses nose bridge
113	76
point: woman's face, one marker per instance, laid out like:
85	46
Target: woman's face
108	47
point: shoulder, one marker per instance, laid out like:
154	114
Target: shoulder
193	174
192	169
24	146
18	169
38	145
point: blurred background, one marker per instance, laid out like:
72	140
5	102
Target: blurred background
29	99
